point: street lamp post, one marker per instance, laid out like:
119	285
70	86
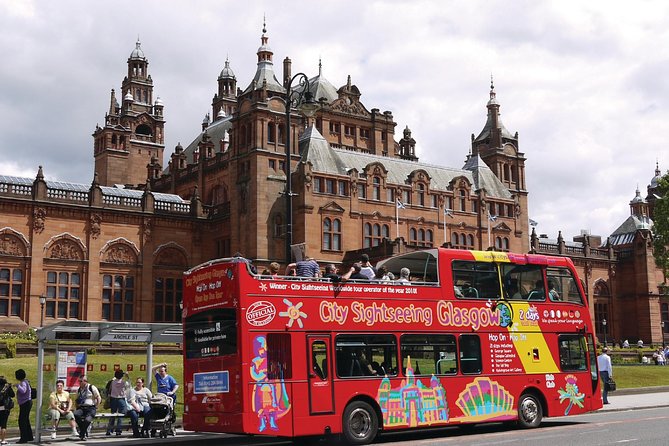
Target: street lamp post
303	99
604	329
42	302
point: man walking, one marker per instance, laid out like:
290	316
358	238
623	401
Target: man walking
605	372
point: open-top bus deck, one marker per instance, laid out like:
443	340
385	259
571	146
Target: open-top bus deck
474	337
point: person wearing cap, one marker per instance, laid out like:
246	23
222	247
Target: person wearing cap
605	372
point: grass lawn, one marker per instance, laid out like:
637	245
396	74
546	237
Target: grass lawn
96	376
630	376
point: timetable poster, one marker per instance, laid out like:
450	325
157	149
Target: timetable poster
71	365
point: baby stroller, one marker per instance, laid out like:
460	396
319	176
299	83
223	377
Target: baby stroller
162	416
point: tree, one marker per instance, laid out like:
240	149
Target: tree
661	227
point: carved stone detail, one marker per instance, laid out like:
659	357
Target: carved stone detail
354	108
171	256
146	229
65	250
120	253
95	221
11	246
39	218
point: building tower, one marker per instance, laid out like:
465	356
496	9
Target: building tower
225	100
499	149
133	133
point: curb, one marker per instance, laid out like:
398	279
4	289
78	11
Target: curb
640	390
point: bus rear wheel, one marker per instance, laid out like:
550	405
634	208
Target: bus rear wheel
530	411
360	423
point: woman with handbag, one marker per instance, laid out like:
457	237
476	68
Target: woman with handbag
24	398
605	373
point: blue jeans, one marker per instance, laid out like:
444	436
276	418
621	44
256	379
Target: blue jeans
134	420
604	375
116	405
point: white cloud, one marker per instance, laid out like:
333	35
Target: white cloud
581	82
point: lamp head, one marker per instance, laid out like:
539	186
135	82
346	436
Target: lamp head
42	300
308	106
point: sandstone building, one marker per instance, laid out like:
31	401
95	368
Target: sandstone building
115	249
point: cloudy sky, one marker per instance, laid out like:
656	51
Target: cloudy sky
583	83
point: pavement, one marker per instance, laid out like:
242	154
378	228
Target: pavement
624	399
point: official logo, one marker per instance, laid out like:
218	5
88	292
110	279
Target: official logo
260	313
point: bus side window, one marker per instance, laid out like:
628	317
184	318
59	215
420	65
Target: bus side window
319	362
470	354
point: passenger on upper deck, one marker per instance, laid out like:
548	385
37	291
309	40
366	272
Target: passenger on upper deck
381	275
366	268
331	273
304	268
357	275
404	275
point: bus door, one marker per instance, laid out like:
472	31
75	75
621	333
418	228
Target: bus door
321	392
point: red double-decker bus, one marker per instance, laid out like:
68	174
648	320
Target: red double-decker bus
474	337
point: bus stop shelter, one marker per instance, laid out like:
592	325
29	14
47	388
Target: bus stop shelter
90	334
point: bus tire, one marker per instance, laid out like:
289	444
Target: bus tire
530	411
360	423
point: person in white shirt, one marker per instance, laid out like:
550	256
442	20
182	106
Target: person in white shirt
366	268
605	372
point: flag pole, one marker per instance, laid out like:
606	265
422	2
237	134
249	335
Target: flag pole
397	220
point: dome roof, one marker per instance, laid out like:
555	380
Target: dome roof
159	102
137	53
637	198
320	87
227	72
221	113
658	174
128	96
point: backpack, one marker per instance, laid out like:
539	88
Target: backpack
107	401
6	400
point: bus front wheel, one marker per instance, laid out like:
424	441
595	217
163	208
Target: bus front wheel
360	423
530	411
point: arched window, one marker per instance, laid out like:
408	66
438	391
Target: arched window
336	234
462	200
463	241
271	132
429	238
11	291
331	234
118	297
385	231
498	243
505	244
376	188
367	242
413	236
282	134
278	226
470	241
63	292
455	240
143	129
327	234
421	195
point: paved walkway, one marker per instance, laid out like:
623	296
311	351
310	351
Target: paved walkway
626	399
